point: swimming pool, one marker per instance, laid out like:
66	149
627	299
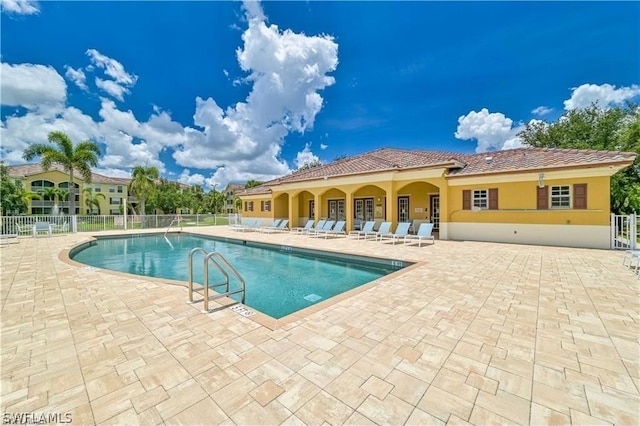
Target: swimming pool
279	280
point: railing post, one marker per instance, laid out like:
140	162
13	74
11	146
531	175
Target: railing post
613	231
125	220
74	223
633	232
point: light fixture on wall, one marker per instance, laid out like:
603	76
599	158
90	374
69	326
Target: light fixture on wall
378	198
541	180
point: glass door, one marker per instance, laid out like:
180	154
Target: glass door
312	209
435	211
403	209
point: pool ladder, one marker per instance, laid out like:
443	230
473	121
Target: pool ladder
171	224
220	263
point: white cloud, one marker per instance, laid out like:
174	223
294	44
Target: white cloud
122	80
286	70
77	76
323	146
20	7
112	88
604	95
31	86
492	131
305	156
198	179
112	68
242	141
542	110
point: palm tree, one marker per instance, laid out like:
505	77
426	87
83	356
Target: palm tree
143	183
252	183
238	203
72	158
91	199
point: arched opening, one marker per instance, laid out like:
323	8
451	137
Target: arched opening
368	205
306	206
332	205
419	202
281	206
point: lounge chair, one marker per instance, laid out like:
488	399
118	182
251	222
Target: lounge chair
305	228
631	257
39	227
319	225
273	225
385	228
23	229
250	225
338	230
366	229
60	228
424	233
281	227
401	231
243	223
327	226
4	239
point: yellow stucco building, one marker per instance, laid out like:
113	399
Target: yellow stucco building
526	195
33	178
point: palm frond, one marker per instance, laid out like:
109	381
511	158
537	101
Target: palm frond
62	140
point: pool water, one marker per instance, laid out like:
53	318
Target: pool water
279	280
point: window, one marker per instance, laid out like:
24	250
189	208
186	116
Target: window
112	189
120	189
312	209
248	206
114	201
97	189
480	198
265	206
561	197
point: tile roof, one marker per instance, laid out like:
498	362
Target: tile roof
459	164
24	170
531	159
375	161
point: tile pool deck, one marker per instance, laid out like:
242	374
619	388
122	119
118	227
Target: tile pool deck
478	333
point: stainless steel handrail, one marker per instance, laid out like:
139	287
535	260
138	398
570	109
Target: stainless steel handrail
220	258
214	257
171	224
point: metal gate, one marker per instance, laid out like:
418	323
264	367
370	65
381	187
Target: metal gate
624	232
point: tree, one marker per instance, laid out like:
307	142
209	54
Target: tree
13	197
310	165
91	199
194	199
142	184
54	194
251	183
614	129
72	158
237	201
167	197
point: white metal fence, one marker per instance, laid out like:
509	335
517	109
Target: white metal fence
23	225
624	232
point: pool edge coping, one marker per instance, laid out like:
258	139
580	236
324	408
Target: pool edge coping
257	316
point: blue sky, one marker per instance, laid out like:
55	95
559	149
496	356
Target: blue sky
214	91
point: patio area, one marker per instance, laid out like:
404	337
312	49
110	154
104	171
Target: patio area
478	333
